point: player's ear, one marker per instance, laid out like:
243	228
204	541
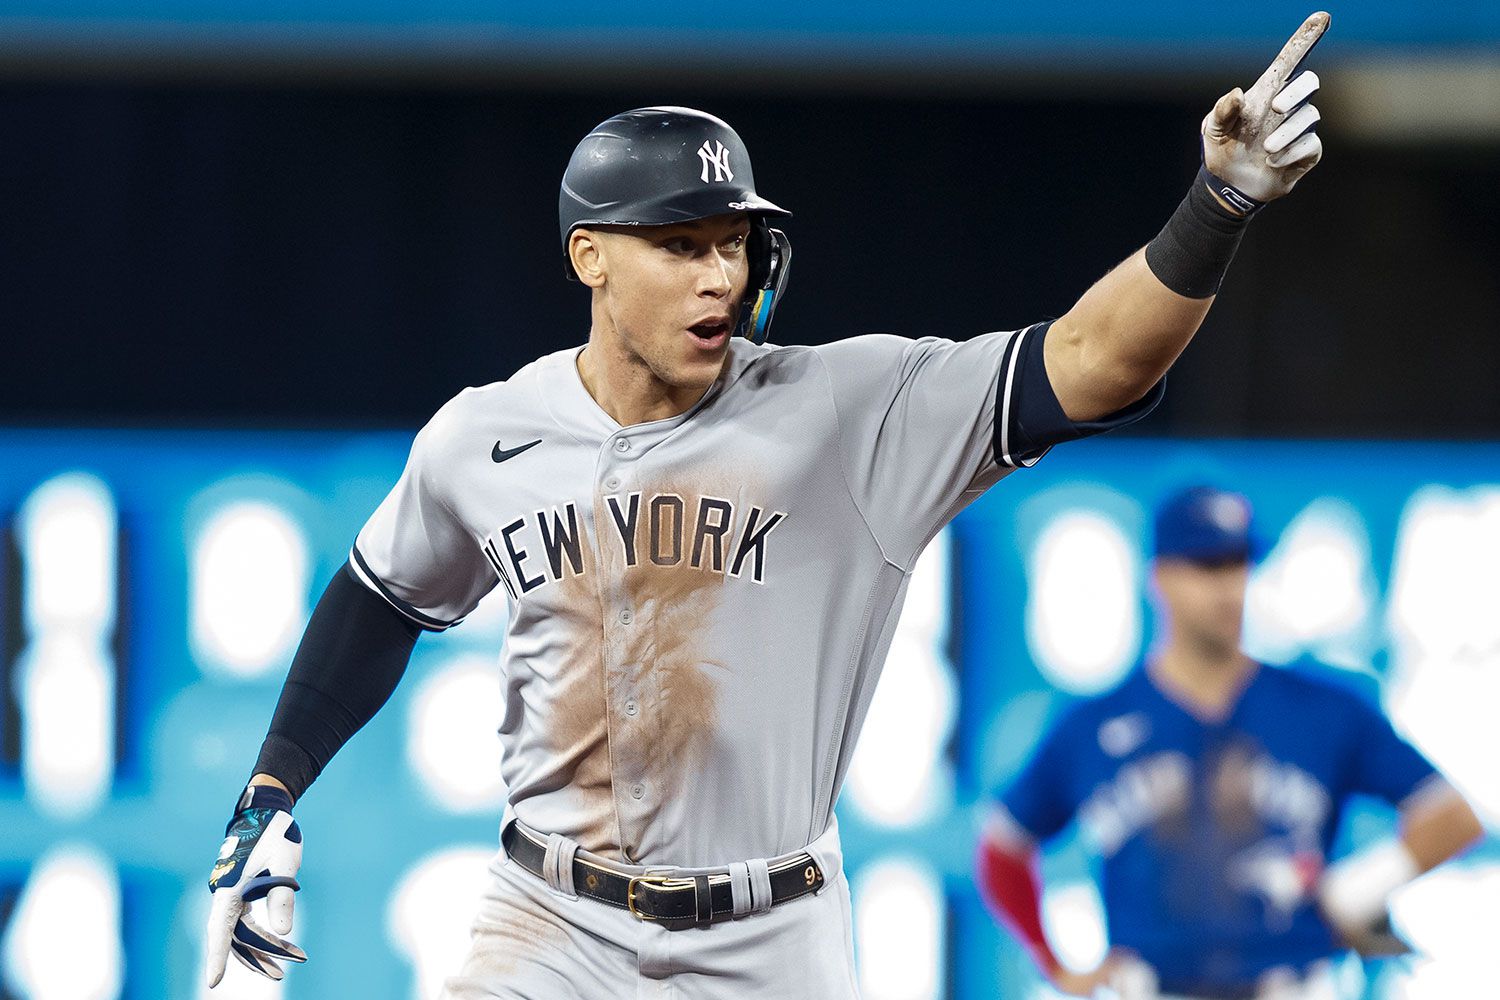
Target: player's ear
586	251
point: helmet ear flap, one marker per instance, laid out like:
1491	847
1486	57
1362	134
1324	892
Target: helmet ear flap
770	264
758	249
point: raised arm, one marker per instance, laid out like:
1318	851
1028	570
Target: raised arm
1119	339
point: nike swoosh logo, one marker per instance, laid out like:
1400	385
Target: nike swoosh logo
501	454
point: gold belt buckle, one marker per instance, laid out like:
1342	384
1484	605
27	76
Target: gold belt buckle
665	882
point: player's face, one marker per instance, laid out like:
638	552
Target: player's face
671	295
1206	601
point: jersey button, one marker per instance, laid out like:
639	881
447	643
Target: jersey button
612	483
631	708
637	790
622	445
626	617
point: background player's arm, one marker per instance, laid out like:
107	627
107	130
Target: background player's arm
1010	881
1036	806
1438	823
1009	868
1124	333
1435	824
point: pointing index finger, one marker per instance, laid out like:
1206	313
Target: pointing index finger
1291	55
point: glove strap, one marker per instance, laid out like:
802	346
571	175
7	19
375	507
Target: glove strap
1232	196
257	888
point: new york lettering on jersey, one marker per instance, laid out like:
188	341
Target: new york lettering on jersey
703	531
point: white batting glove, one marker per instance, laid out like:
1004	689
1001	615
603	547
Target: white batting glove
1258	143
259	859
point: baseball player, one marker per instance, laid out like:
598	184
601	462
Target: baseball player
705	541
1211	788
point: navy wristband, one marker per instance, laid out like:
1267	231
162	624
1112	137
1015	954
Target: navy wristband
263	797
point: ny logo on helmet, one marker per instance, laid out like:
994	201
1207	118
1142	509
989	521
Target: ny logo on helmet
713	154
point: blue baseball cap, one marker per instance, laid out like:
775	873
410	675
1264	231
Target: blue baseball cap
1206	524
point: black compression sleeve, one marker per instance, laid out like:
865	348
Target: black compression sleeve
352	656
1192	252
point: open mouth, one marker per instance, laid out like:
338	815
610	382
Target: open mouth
710	335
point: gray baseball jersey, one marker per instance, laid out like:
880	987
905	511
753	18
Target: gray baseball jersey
700	606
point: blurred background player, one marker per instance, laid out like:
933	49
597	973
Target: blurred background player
1211	787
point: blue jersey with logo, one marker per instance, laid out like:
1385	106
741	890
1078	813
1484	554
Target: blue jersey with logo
1212	832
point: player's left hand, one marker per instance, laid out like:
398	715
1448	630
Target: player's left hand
1121	976
260	856
1258	143
1379	940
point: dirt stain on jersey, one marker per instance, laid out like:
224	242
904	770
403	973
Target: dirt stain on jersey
661	684
577	728
668	668
633	693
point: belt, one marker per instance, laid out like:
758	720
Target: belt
675	902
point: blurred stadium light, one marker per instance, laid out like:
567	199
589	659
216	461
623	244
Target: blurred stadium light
67	695
451	743
431	911
899	934
63	940
249	588
899	775
67	531
1445	634
1452	918
1083	609
1314	594
66	534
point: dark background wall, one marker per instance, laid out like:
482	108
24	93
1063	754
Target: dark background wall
337	252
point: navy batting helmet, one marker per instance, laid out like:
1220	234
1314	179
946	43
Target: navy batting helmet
656	166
